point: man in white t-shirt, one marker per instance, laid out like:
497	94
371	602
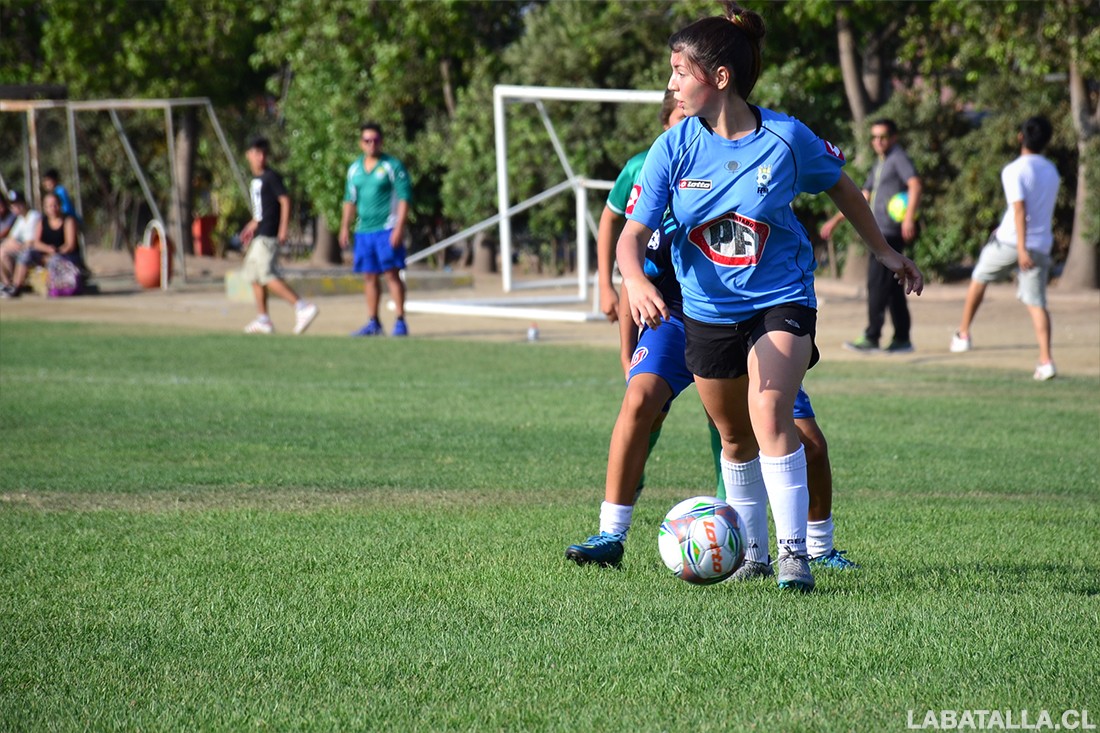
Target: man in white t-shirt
1022	242
22	233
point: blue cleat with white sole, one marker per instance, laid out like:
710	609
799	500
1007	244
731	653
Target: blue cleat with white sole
604	549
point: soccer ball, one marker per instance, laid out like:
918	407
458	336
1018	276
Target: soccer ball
700	540
897	206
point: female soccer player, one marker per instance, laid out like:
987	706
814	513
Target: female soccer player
727	176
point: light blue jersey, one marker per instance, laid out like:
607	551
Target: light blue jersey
739	248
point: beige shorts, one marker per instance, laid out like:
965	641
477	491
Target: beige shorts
998	261
261	262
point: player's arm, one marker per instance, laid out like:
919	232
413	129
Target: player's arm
69	228
1019	218
398	235
647	308
608	233
830	226
851	201
628	333
909	223
284	218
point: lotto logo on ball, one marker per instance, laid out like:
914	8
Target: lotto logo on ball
700	540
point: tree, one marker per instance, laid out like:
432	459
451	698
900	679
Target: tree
1035	43
157	49
404	70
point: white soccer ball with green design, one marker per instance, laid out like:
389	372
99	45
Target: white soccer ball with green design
700	540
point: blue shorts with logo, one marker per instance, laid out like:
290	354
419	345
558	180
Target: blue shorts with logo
375	255
802	407
660	352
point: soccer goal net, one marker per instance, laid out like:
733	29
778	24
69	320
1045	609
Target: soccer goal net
518	300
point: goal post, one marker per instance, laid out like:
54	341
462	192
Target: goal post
505	95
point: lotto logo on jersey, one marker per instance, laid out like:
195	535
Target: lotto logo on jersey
731	240
634	194
834	150
695	184
639	356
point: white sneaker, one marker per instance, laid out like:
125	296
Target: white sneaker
304	317
959	343
1043	372
258	326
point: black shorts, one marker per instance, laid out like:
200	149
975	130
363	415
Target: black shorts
721	350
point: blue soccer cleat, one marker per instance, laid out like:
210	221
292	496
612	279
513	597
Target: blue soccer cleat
604	549
373	328
400	328
835	560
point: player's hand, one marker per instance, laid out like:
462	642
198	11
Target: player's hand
342	238
908	230
1025	261
828	228
647	308
396	238
609	303
905	272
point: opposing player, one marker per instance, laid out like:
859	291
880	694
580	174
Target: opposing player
656	374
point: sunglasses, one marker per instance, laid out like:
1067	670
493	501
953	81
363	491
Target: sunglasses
880	137
369	140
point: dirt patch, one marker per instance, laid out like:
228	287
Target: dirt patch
1003	337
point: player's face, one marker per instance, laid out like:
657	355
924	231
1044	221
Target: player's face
371	142
881	139
696	98
256	159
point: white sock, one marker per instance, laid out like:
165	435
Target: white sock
301	305
615	518
263	318
819	537
745	492
785	479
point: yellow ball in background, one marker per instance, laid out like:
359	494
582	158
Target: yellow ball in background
897	206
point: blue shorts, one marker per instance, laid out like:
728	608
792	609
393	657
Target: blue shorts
374	255
802	407
660	351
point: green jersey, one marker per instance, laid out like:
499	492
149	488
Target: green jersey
376	193
619	197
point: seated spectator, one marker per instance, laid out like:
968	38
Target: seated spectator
19	238
7	218
56	237
51	183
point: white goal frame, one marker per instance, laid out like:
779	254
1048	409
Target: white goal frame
529	307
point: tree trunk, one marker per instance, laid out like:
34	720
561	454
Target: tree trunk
485	255
855	259
1080	272
326	250
179	209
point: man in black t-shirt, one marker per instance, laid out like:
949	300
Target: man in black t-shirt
263	236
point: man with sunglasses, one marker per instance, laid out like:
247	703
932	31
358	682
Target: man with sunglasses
378	192
893	189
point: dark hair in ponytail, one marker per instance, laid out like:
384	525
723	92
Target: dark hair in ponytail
732	41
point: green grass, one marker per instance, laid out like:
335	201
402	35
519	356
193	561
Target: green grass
207	532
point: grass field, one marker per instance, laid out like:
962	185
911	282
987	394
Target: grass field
208	532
